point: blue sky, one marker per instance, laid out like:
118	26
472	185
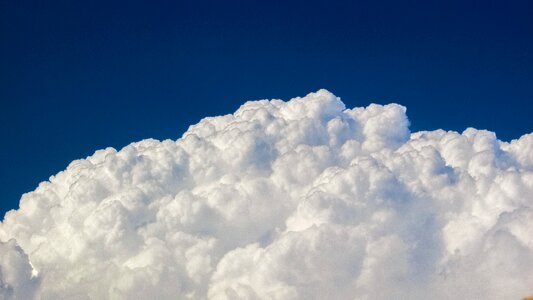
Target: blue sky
76	77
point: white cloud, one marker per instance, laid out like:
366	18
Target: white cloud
282	200
16	278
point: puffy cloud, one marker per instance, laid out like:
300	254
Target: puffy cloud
16	274
303	199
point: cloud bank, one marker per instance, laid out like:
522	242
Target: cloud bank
303	199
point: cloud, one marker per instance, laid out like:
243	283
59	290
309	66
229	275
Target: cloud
303	199
16	278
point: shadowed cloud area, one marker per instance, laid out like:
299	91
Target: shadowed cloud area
303	199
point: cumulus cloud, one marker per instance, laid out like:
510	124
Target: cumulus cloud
303	199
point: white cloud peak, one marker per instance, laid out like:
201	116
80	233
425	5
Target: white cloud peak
303	199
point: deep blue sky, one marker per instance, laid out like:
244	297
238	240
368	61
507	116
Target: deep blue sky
77	76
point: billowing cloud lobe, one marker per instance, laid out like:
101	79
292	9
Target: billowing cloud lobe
302	199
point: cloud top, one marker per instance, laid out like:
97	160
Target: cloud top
303	199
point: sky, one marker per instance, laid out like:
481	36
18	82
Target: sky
76	77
